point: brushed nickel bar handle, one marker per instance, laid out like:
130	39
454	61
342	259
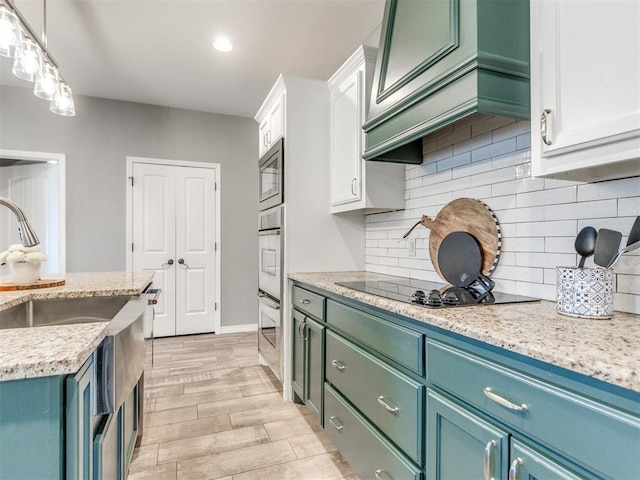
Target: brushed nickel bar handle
378	473
544	131
339	365
487	459
513	470
503	401
386	406
332	421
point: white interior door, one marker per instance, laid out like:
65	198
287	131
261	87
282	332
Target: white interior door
195	250
174	235
154	237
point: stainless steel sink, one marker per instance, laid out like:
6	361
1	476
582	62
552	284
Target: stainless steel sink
62	311
119	359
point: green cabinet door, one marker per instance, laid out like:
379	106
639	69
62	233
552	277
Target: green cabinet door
130	426
107	448
315	338
528	464
297	367
79	423
461	444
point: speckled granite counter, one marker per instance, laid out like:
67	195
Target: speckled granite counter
60	350
608	350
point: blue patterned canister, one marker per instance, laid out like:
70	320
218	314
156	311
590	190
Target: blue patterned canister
584	292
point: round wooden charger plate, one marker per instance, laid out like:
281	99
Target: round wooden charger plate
43	283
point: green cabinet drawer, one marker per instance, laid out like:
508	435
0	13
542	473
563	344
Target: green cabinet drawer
308	302
370	455
389	399
595	435
398	343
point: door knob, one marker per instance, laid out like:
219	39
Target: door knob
181	262
168	262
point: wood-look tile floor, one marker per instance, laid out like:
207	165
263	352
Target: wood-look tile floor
212	412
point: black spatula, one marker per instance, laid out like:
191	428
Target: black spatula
607	245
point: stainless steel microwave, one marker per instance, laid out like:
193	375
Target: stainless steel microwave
271	179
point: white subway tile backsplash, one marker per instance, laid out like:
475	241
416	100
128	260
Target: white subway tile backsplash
625	187
546	197
595	209
563	228
539	217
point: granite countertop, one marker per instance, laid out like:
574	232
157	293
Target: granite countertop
61	350
607	350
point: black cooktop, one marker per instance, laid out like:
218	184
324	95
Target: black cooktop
432	294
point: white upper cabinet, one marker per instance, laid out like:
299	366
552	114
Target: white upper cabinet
357	185
585	88
271	128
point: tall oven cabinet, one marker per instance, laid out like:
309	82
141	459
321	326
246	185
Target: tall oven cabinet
312	238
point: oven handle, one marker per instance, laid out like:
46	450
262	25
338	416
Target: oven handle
271	231
268	301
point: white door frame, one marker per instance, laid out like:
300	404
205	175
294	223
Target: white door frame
129	219
59	159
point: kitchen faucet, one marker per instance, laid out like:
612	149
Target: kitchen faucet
27	235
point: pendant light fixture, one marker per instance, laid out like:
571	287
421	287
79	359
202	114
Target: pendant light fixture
32	60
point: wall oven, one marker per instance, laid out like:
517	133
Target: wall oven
270	287
271	178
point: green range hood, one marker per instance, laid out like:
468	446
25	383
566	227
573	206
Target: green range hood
440	61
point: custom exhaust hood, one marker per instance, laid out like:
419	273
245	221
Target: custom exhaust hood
440	61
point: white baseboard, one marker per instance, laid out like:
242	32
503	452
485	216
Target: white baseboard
249	327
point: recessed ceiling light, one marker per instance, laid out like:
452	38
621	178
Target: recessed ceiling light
222	44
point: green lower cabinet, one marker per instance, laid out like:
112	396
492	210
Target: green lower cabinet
130	423
32	428
80	424
363	447
462	445
527	464
315	338
107	448
308	362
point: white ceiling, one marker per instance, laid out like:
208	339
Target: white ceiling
159	51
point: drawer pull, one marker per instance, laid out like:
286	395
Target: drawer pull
503	401
378	473
386	406
487	459
339	365
513	471
305	301
338	426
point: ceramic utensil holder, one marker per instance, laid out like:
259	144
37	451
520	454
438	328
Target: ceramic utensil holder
584	292
24	273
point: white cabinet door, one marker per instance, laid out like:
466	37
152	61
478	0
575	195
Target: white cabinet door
174	237
272	126
356	185
346	139
585	77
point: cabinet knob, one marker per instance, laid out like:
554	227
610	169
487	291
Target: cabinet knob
305	301
544	126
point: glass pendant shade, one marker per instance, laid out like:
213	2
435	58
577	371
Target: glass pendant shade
10	34
46	82
62	102
28	60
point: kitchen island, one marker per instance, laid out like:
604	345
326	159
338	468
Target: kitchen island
515	389
70	393
59	350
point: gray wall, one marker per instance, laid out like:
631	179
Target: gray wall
97	141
